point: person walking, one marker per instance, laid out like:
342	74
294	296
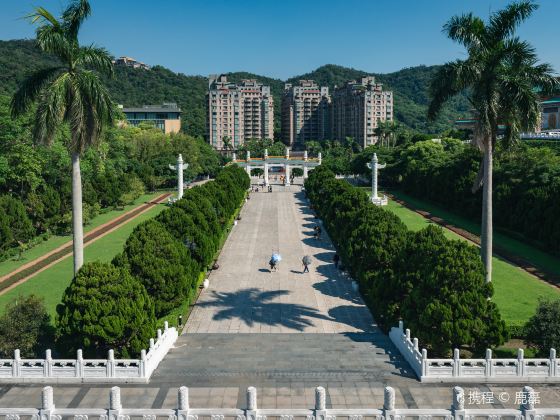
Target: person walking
306	261
336	260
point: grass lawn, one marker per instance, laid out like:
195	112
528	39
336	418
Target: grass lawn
52	282
515	291
55	240
535	256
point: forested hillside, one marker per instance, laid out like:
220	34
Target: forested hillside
134	87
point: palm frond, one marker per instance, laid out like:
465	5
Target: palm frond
504	22
74	16
52	40
467	29
450	79
95	58
30	89
50	110
43	16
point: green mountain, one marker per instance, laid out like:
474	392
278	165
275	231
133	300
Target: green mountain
135	87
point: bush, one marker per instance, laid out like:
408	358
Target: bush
542	332
161	263
436	285
16	218
104	308
25	325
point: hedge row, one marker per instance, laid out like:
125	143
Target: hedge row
434	284
115	306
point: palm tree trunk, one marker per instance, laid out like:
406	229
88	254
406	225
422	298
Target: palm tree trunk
486	234
77	221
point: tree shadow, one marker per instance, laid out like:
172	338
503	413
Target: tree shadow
254	306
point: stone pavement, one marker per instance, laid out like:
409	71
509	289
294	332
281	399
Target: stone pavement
283	332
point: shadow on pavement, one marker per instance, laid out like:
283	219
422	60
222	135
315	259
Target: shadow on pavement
253	306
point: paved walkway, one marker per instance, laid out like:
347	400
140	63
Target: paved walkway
283	332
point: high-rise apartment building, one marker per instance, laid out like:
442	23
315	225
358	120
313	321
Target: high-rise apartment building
305	113
237	112
358	107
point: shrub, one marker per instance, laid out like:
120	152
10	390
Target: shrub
17	219
25	325
542	332
162	264
104	308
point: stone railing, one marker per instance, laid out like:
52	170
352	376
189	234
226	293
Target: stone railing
492	370
110	370
456	411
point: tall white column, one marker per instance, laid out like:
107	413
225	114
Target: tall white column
320	157
287	154
374	166
179	167
305	156
287	174
248	167
266	174
304	171
180	177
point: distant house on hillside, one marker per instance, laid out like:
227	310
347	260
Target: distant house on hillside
166	117
130	62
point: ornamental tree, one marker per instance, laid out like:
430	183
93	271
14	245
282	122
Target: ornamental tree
104	308
162	264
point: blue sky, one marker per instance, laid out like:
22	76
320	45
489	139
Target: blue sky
282	38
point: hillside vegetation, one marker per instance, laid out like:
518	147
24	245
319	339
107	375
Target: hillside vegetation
135	87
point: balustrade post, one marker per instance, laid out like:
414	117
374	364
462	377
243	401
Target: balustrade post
415	343
47	404
424	363
16	367
401	325
111	364
488	371
407	334
47	368
320	403
458	403
79	364
528	408
115	405
152	344
143	363
159	334
251	411
165	326
552	365
520	362
183	403
389	403
456	363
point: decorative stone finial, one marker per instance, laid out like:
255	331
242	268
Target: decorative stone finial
183	397
115	399
320	398
166	326
389	398
80	354
458	398
47	398
529	398
488	354
111	354
251	398
456	354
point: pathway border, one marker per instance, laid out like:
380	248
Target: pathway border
26	271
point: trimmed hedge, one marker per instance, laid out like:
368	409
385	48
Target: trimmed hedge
435	284
162	259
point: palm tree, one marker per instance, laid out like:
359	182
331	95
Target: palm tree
69	94
503	79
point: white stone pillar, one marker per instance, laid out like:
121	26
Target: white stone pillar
320	157
265	154
234	158
288	170
248	167
287	154
305	156
266	174
180	176
304	171
374	166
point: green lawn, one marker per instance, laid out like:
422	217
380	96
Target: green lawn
52	282
535	256
515	291
55	241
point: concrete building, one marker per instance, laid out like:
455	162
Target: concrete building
130	62
237	112
358	107
166	117
305	113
